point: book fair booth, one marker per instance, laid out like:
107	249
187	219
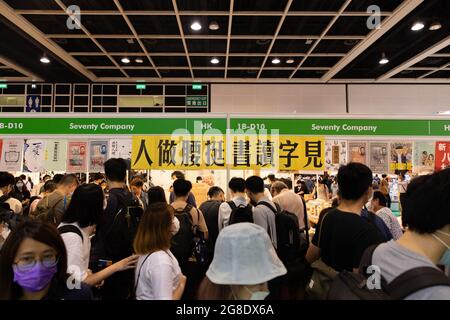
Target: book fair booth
218	147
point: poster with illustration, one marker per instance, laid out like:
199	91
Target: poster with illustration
55	155
357	152
12	154
120	148
442	155
98	155
400	157
33	155
424	156
335	154
379	157
76	156
1	145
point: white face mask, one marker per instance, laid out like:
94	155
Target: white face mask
175	226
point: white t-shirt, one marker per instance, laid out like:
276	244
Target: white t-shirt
157	277
77	251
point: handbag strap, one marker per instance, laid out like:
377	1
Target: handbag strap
139	273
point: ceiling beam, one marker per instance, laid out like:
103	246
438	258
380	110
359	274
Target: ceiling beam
230	23
272	42
444	67
401	12
424	54
130	25
64	8
11	65
322	35
37	35
180	27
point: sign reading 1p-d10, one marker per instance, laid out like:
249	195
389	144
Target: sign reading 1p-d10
110	126
342	127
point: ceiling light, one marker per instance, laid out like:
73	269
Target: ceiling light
308	41
33	86
262	42
138	60
290	61
44	59
350	42
435	26
125	60
213	26
196	26
130	41
215	61
276	61
447	112
417	26
383	59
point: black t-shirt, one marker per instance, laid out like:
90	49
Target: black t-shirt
210	210
344	237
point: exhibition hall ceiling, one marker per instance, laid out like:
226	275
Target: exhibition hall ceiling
217	41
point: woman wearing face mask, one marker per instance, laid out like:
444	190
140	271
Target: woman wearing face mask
33	266
426	241
244	261
77	225
158	275
20	192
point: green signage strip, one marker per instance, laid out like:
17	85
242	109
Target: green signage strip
197	86
3	86
196	101
346	127
141	86
116	126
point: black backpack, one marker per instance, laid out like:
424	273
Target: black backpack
353	286
240	213
8	216
182	245
288	233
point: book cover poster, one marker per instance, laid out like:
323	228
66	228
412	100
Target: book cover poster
33	155
120	148
55	155
424	156
98	155
357	152
12	154
1	145
442	155
76	156
400	157
379	157
335	154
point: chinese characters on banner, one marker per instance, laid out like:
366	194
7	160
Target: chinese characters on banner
442	155
400	157
33	158
379	157
281	152
424	152
12	153
178	152
357	152
335	154
98	155
76	157
55	155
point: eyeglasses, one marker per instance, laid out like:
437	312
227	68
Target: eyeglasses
26	263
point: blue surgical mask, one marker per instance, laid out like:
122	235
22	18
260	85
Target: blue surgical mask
257	295
445	259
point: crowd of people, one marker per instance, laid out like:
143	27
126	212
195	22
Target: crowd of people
114	239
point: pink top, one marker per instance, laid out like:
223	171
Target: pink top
292	203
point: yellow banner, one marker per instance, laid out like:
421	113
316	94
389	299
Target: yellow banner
277	152
178	152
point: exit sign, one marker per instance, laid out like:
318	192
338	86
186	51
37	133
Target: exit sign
3	86
197	86
141	86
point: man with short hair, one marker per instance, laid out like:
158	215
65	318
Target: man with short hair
210	210
288	201
98	178
237	190
191	199
263	215
378	205
52	207
6	187
342	234
137	187
116	245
